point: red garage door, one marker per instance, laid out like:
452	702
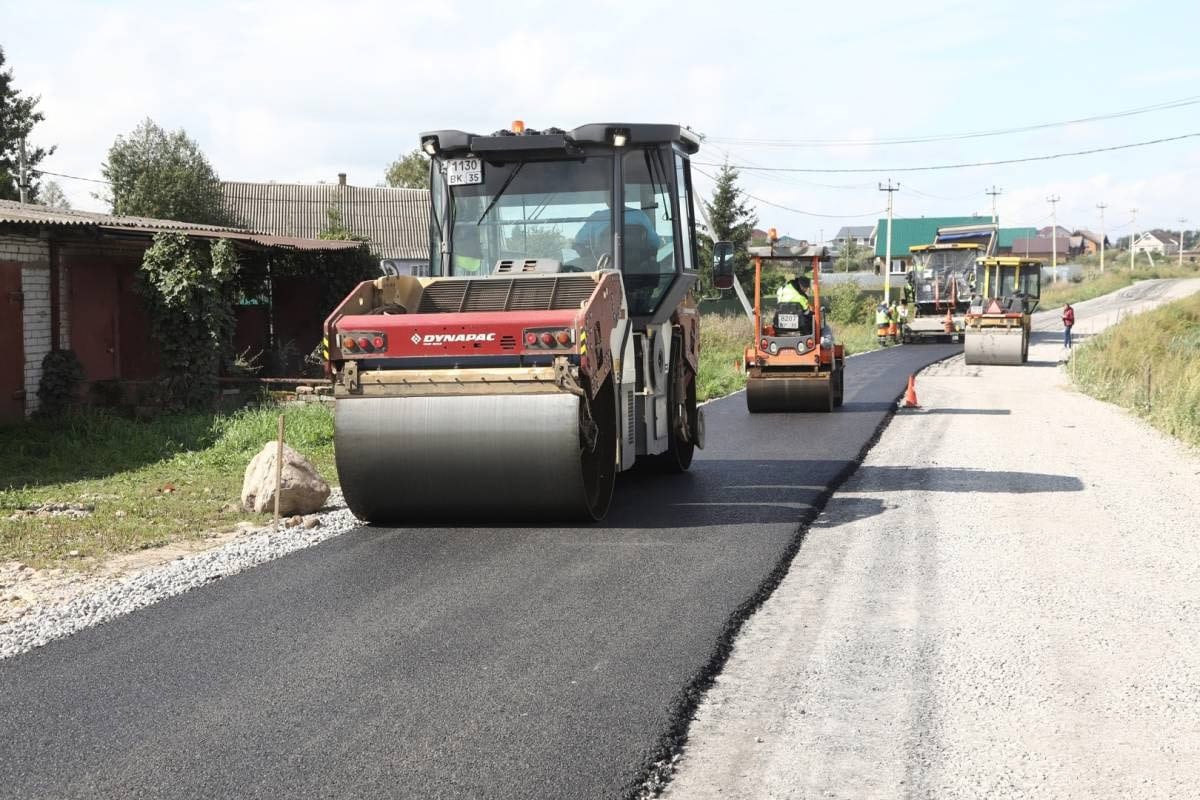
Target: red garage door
12	356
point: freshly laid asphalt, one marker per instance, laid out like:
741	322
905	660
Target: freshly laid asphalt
447	662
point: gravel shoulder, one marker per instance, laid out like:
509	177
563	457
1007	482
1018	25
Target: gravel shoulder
38	606
1003	601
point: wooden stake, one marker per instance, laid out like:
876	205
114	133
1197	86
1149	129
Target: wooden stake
278	471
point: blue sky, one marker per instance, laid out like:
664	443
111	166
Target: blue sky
299	91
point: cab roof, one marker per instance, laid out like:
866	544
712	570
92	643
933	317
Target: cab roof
1010	261
556	139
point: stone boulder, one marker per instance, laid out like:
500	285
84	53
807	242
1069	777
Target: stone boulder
304	490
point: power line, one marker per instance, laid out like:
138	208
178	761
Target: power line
964	165
71	177
947	137
789	208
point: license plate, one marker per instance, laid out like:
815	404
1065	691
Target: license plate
464	171
789	321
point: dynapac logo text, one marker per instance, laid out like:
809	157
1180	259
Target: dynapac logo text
447	338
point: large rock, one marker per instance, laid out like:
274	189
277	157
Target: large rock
304	490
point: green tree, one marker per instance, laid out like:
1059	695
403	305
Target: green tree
190	288
18	116
731	220
408	172
156	173
51	196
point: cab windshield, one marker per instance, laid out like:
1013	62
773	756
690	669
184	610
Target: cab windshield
559	210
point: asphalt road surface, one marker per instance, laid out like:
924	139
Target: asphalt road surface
446	662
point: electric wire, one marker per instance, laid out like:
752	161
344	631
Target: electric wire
949	137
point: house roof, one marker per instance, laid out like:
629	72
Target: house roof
395	222
856	231
1041	245
1091	236
14	213
917	230
1006	236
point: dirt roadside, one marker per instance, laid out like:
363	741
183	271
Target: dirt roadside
1004	601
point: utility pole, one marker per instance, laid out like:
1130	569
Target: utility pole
1101	206
1182	220
1132	237
887	269
1053	201
21	176
994	192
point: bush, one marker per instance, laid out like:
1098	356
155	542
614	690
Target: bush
847	305
61	375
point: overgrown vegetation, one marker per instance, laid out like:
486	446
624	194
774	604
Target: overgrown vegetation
190	288
1150	364
57	389
151	482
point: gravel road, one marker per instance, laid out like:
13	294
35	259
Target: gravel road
1003	601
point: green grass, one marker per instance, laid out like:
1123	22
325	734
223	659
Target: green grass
1150	364
1116	276
125	468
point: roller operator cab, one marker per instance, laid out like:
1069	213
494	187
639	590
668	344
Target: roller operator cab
550	342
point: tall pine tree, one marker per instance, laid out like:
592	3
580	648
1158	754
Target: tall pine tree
731	220
18	116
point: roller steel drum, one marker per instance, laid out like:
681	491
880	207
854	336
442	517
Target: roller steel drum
486	457
765	395
987	347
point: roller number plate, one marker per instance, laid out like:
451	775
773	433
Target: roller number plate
791	321
464	171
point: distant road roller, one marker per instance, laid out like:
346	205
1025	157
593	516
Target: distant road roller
793	364
548	343
998	322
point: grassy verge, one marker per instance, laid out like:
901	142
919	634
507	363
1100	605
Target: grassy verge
1115	277
1150	364
150	482
723	341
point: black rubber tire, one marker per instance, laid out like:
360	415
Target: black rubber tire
679	454
599	465
839	386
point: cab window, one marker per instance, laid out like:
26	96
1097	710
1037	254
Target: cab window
648	247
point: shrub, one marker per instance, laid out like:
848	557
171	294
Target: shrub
61	375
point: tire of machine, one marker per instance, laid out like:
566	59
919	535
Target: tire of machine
679	454
839	386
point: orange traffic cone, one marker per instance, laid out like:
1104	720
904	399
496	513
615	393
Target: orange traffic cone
910	395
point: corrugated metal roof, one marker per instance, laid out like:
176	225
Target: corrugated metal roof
857	231
1006	236
916	230
12	212
395	222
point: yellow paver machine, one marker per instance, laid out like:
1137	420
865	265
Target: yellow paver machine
998	321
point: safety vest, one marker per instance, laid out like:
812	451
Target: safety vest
790	294
881	317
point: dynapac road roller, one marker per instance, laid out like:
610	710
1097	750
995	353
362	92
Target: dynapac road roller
998	322
549	343
794	364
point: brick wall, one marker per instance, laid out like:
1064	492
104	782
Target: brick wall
33	254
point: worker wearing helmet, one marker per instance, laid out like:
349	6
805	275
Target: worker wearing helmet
894	322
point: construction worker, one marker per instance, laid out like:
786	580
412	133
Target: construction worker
795	291
894	323
882	322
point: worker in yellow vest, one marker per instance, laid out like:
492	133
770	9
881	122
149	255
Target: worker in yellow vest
882	323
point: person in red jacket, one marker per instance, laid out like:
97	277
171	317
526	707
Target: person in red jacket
1068	320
